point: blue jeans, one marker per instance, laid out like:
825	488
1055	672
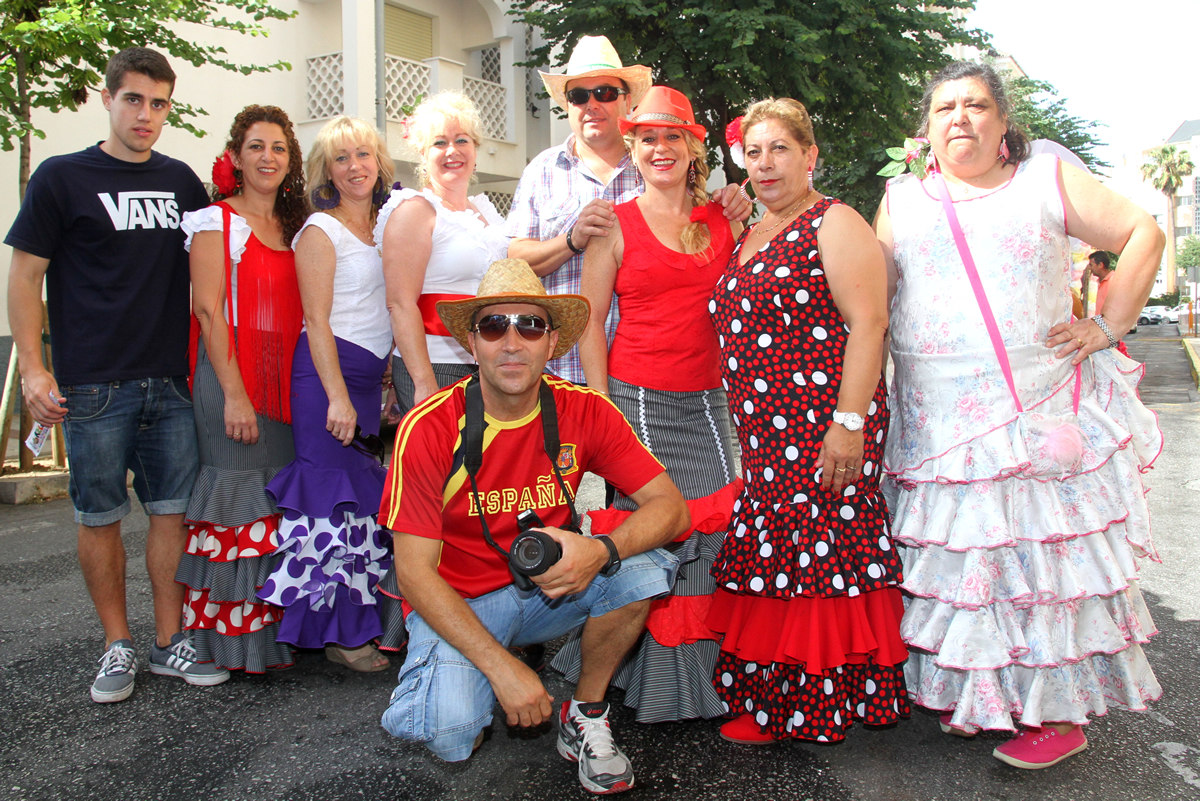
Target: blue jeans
144	425
444	701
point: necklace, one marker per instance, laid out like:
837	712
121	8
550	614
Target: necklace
357	227
785	217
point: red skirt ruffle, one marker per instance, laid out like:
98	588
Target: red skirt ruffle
227	543
818	633
710	514
677	619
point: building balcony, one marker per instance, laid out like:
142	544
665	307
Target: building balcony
405	81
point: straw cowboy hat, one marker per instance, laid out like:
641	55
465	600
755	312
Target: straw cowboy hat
513	281
594	56
664	107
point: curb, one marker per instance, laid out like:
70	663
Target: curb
33	487
1193	360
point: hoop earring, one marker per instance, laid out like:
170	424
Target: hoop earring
381	192
237	182
326	196
1003	155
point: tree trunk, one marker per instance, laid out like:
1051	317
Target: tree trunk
1170	241
26	117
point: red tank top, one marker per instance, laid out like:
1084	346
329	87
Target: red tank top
665	338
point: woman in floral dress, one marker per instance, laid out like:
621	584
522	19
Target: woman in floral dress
1014	459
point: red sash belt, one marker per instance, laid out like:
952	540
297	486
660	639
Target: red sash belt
427	304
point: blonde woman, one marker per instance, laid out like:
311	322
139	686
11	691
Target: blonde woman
437	242
335	550
662	259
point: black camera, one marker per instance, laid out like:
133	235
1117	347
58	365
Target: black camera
532	552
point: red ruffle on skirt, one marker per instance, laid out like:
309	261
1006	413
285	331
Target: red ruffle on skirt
230	619
227	543
677	619
819	633
710	514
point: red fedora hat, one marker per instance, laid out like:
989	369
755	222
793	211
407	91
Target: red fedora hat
664	107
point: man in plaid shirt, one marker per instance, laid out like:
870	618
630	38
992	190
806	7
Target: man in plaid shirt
567	193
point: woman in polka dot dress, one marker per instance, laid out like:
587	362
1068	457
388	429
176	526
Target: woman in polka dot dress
807	594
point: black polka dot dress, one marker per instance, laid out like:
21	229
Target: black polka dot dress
808	600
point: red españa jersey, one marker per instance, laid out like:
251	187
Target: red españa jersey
428	493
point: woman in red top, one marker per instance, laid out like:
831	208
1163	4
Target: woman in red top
662	259
246	303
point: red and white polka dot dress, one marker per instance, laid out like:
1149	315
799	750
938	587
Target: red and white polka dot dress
807	599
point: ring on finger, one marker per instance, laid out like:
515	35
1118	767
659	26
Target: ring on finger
1080	341
839	470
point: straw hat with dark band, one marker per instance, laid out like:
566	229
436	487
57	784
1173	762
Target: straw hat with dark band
593	57
513	281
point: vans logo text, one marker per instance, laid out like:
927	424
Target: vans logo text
141	210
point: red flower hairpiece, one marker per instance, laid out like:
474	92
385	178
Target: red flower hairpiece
223	176
699	214
733	138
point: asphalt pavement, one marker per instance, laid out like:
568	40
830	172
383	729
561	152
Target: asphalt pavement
312	732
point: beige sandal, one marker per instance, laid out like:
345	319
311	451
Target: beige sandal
360	660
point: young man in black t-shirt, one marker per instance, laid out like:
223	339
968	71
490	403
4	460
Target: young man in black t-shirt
102	227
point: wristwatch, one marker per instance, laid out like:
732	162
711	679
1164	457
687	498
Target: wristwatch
614	559
848	420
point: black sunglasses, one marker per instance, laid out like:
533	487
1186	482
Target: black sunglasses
604	94
369	444
493	327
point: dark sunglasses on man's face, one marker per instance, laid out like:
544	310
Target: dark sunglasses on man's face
493	327
604	94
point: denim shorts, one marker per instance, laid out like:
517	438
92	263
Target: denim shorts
144	425
444	701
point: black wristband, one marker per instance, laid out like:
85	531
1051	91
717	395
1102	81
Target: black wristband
614	558
570	244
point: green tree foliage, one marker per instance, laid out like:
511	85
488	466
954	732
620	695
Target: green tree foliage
1042	115
53	52
858	65
1189	253
1165	168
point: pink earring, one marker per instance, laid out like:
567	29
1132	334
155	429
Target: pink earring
1003	156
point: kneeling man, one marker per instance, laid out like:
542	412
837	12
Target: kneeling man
468	461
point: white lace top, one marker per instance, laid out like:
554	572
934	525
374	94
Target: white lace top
359	312
464	245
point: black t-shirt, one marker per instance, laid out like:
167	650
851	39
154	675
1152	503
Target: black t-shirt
117	285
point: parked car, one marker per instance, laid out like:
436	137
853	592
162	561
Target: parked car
1149	318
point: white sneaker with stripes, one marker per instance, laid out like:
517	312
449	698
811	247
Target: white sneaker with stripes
179	659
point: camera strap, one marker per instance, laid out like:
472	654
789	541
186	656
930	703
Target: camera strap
473	449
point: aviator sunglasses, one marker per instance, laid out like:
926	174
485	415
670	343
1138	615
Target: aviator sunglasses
603	94
368	444
494	326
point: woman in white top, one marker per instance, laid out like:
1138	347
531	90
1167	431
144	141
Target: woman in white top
437	243
334	549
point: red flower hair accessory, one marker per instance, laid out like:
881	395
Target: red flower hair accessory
223	175
699	214
733	138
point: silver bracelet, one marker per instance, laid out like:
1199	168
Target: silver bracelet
1103	324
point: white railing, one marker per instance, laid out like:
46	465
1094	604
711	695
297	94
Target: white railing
404	82
491	100
324	86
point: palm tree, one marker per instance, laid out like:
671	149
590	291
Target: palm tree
1166	168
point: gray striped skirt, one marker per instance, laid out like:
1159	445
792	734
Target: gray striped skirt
229	507
690	433
446	374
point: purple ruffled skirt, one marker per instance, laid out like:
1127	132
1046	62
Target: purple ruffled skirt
334	551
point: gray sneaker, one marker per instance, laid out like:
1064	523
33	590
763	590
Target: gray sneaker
179	659
587	739
118	667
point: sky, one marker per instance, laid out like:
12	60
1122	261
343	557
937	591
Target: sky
1133	65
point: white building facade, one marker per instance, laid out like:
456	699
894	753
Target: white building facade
428	46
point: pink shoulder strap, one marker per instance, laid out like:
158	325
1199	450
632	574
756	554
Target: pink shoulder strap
985	308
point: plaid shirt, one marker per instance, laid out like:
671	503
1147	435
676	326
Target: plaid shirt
554	188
